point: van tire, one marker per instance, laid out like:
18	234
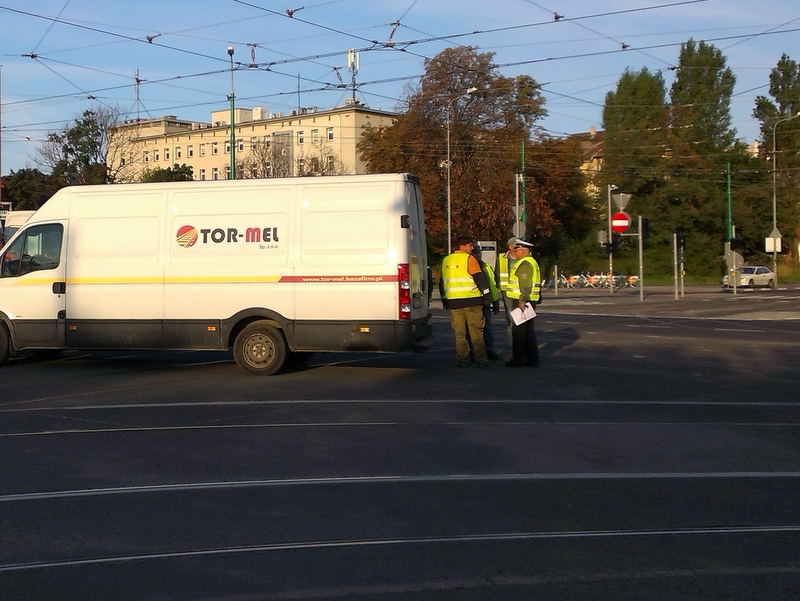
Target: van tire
5	343
260	349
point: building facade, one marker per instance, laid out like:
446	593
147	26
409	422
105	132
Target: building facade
304	142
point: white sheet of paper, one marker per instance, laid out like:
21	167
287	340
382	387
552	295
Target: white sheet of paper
519	316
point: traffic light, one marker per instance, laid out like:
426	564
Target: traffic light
680	238
735	243
613	246
645	228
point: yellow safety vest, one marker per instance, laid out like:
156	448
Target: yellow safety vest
504	265
513	281
493	292
458	283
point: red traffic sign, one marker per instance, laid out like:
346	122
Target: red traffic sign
620	222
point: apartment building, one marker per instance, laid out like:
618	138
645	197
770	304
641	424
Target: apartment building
308	141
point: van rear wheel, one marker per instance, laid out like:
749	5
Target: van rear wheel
5	343
260	349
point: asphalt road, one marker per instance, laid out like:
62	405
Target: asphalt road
654	455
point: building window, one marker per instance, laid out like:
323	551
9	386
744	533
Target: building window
227	172
146	156
178	152
301	138
315	136
214	149
215	173
314	164
330	163
330	134
190	151
254	142
166	154
301	166
155	154
227	147
202	150
240	144
122	161
202	174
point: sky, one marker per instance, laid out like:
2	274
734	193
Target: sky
59	58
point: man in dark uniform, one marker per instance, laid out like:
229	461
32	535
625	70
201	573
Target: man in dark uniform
524	288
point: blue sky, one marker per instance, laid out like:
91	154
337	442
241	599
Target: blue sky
62	57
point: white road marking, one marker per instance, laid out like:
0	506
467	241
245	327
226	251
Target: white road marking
444	478
469	538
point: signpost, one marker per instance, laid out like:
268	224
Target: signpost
620	222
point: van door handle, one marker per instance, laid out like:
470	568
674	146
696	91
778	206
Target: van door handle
59	287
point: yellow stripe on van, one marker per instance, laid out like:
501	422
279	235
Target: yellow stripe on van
222	279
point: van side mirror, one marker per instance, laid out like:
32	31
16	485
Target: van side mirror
405	222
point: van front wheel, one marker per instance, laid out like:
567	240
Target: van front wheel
5	343
260	349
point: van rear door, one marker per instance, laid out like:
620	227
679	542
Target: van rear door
417	252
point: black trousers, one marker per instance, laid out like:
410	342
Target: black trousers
524	347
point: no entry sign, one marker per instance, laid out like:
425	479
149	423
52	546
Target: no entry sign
620	222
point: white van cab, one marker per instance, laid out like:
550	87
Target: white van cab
272	268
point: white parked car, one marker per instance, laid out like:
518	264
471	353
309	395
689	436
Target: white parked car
751	276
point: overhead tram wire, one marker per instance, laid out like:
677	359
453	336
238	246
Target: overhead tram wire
622	44
327	85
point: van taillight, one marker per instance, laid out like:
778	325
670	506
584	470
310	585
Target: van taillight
404	289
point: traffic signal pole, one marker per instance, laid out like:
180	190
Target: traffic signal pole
611	248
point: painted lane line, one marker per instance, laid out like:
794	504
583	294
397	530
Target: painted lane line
389	424
455	539
446	478
297	402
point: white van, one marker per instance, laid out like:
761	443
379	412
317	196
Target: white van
273	268
12	222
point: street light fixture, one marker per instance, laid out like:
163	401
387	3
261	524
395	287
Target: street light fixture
232	174
449	104
775	234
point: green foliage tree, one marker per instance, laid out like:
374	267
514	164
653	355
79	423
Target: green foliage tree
673	157
77	154
176	173
29	189
635	119
776	116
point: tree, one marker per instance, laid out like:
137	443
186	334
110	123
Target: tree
701	98
634	120
77	154
176	173
29	189
488	115
777	117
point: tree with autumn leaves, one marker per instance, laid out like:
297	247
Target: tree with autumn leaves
489	117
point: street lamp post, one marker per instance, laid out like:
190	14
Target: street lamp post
233	136
773	235
447	118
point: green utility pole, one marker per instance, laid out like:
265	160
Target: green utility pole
522	213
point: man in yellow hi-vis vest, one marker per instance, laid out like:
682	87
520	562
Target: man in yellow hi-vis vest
464	292
524	288
494	294
505	263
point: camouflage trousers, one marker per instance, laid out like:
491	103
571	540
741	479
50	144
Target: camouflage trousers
469	319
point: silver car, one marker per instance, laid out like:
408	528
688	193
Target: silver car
751	276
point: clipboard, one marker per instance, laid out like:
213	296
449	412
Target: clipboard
520	316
